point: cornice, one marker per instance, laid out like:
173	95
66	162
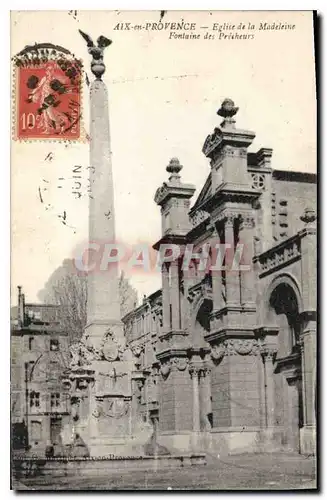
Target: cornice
176	239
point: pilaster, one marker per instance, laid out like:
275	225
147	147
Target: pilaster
231	275
216	276
247	276
309	387
166	324
309	260
235	384
175	296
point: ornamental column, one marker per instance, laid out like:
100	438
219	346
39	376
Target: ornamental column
268	359
309	383
216	264
232	276
165	298
205	397
308	348
194	372
308	335
175	296
247	281
292	404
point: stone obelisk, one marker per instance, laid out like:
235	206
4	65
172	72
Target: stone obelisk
107	417
103	307
102	368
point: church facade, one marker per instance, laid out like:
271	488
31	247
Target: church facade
226	350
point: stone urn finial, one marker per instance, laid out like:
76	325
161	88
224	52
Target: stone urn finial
174	168
309	216
227	110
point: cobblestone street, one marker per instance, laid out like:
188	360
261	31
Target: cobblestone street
264	471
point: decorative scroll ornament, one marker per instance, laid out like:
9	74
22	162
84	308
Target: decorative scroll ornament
165	369
161	193
245	346
232	347
198	217
218	352
180	363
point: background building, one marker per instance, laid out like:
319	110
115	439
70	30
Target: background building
228	358
39	356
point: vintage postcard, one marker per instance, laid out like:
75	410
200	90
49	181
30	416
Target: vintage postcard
164	230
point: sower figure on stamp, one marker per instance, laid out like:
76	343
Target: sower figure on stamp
42	94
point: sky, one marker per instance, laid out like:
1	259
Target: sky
163	98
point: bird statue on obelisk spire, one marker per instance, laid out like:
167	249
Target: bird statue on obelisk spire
97	65
103	305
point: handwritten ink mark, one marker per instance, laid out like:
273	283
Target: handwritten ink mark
63	217
162	14
108	215
49	156
40	195
73	13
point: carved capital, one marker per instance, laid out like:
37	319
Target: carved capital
228	216
268	352
229	219
195	369
204	371
198	217
247	222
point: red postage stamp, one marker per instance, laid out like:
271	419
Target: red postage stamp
48	99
